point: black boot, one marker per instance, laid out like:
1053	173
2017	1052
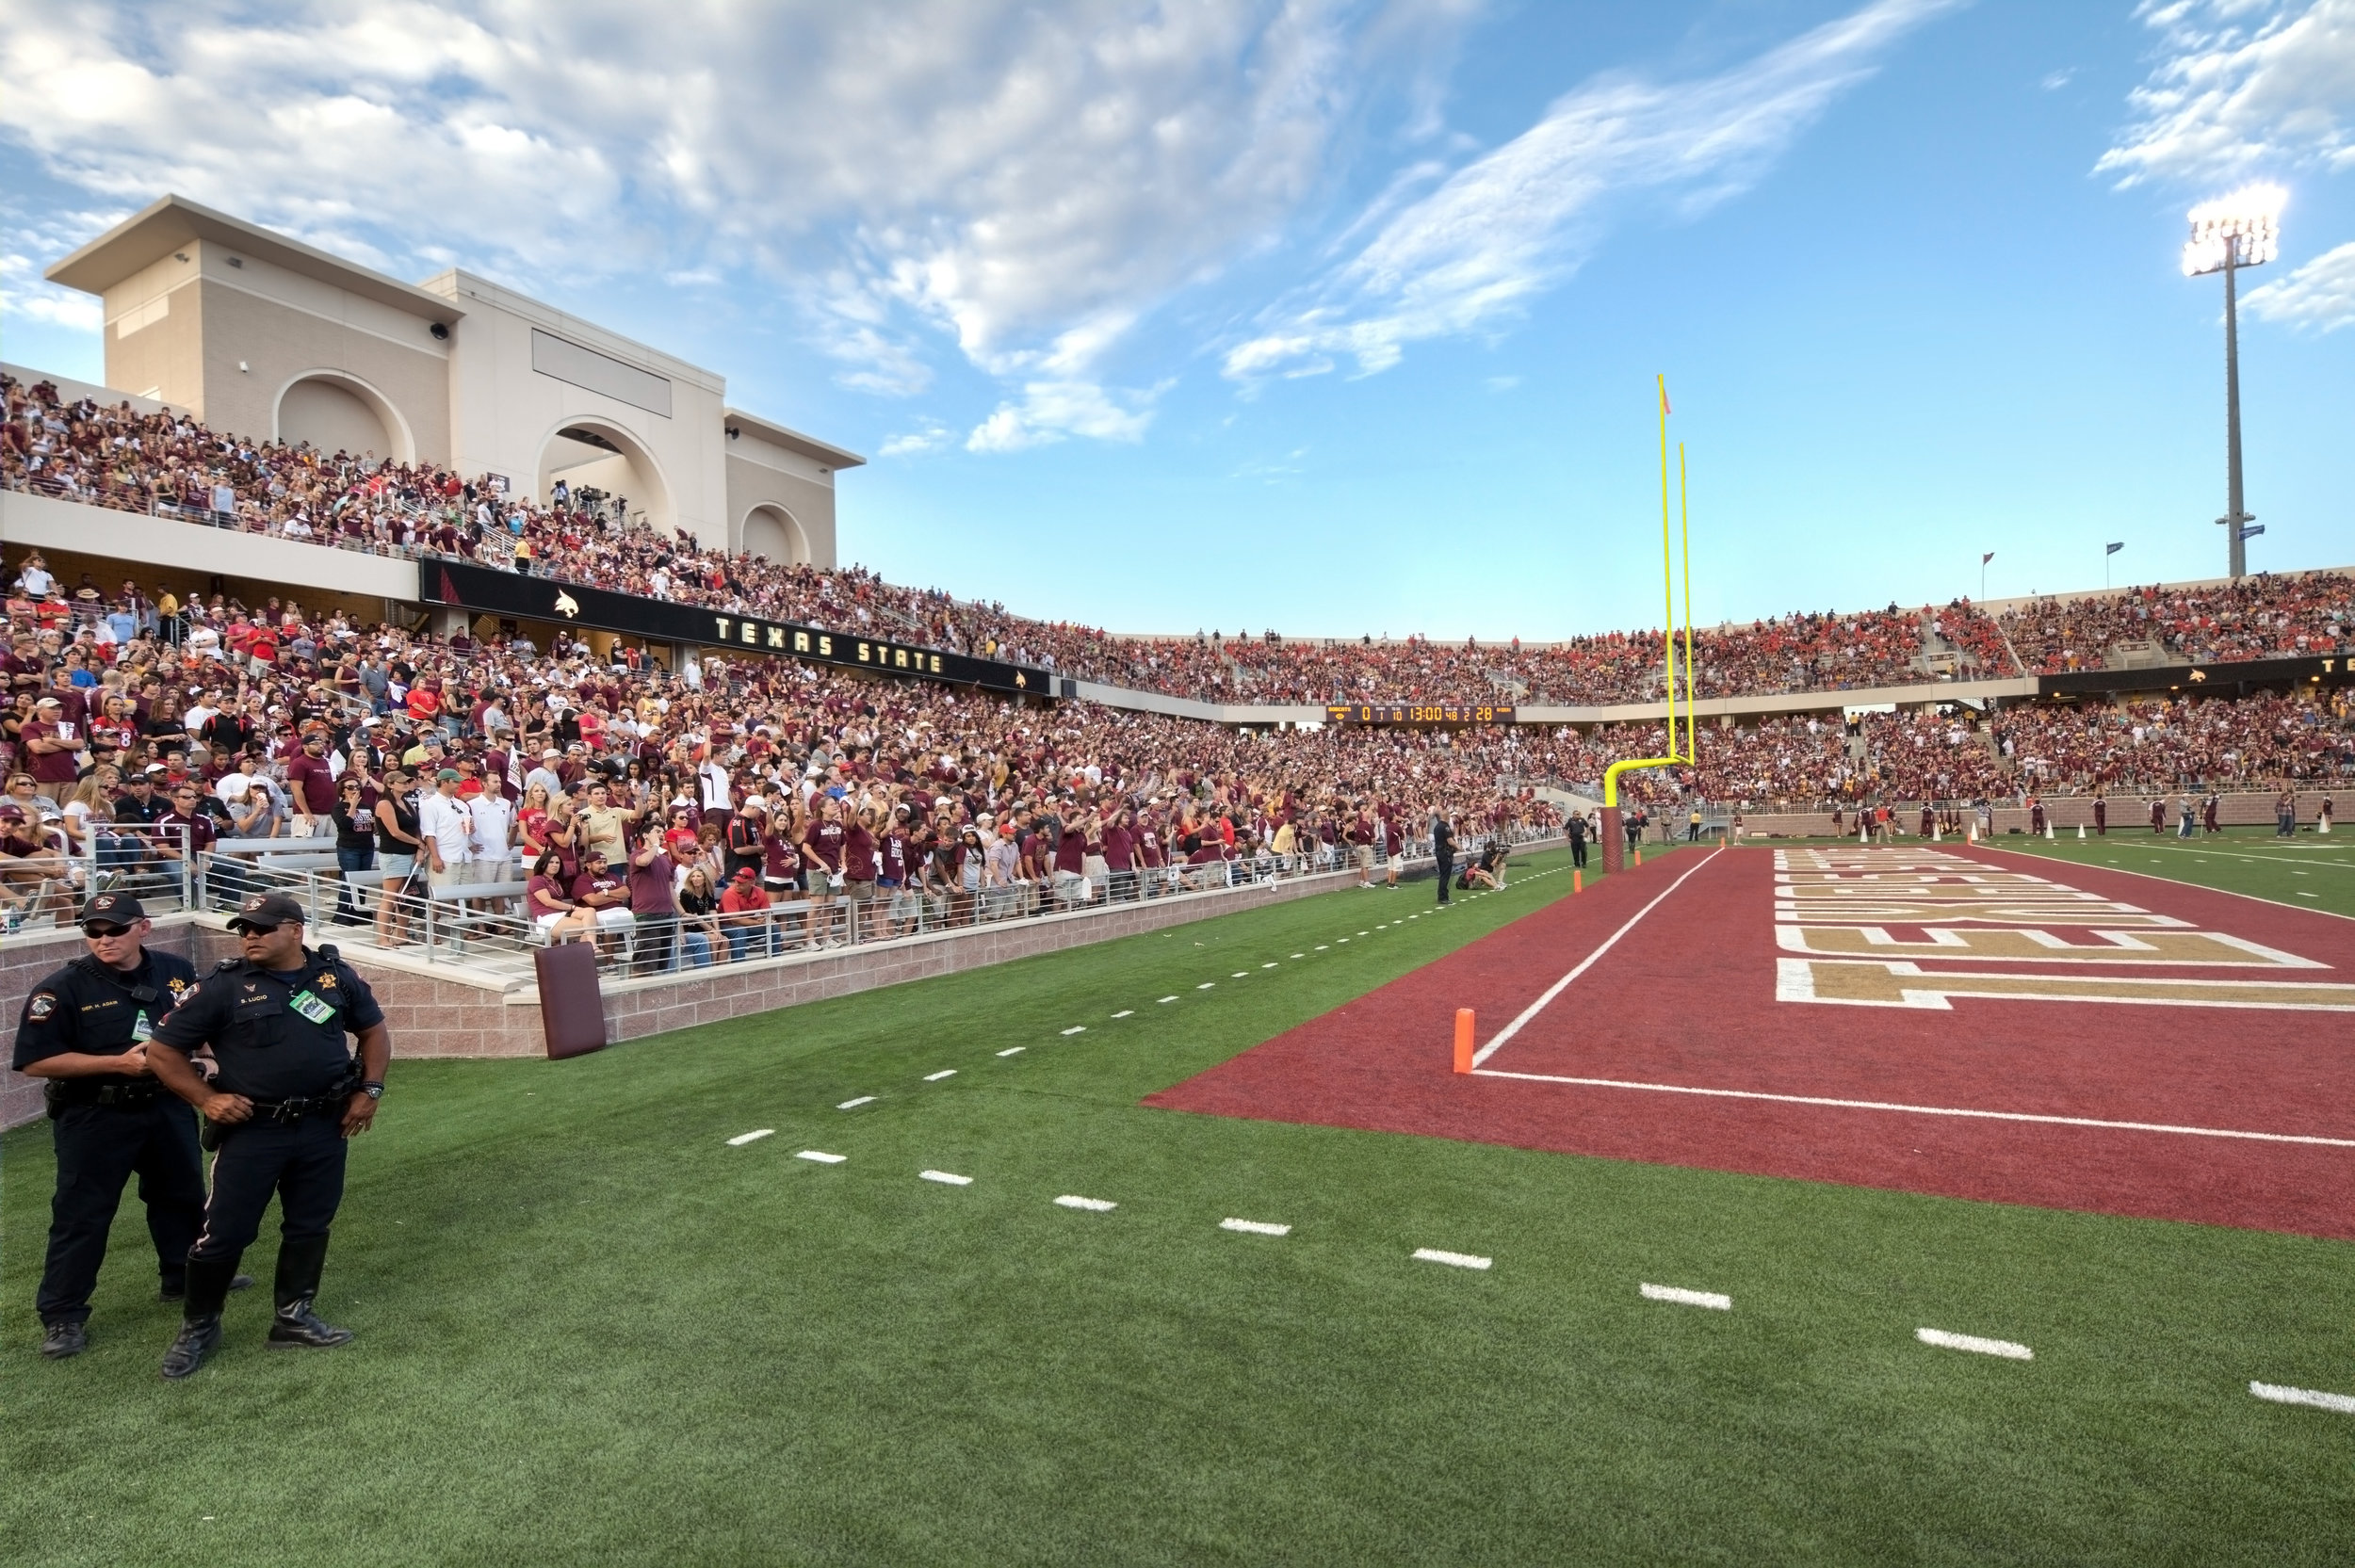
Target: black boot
199	1337
64	1338
296	1326
171	1292
210	1282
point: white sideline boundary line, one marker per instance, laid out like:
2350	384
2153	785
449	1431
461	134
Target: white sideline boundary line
1255	1227
2281	1394
2172	881
1928	1110
1686	1298
1584	965
2008	1349
753	1137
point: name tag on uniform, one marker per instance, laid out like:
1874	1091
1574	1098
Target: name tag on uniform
311	1008
141	1030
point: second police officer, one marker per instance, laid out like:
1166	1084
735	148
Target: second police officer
84	1032
286	1101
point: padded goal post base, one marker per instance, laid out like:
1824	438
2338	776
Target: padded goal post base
1613	840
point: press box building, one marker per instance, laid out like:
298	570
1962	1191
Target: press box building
259	335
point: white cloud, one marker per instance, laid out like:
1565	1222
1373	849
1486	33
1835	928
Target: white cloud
930	435
2245	87
1024	182
2319	293
1470	255
1050	410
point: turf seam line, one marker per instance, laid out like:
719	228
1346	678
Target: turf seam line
1584	965
2008	1349
1686	1298
1255	1227
1928	1110
1094	1205
820	1157
1454	1260
946	1178
753	1136
2281	1394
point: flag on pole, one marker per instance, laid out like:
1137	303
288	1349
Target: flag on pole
1988	556
1664	408
2113	549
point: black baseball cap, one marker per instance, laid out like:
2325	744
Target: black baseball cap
264	909
120	909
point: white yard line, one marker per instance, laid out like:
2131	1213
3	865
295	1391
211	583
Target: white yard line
1076	1028
945	1178
820	1157
1126	1013
1206	985
1094	1205
2005	1348
753	1136
2280	1394
1927	1110
1584	965
1454	1260
944	1073
1686	1298
1014	1050
1166	999
853	1105
1255	1227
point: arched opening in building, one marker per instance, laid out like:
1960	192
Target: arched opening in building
606	471
340	412
770	533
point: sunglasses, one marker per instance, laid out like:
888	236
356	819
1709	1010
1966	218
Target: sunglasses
99	933
253	928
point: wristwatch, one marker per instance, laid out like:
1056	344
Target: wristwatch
373	1090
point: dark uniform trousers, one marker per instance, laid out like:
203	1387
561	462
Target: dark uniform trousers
301	1163
99	1149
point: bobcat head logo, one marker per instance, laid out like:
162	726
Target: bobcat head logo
565	604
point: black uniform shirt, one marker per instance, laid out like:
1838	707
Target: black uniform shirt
95	1013
277	1035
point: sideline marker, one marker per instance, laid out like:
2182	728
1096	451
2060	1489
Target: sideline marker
1639	857
1464	1039
1578	880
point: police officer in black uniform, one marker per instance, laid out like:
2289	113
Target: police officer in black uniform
1443	849
286	1098
83	1031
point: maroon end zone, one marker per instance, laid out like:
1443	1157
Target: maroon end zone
2149	1017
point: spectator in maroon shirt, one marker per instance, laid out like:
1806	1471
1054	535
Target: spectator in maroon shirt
311	781
52	743
653	905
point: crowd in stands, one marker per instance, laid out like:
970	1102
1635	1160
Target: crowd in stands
593	781
2256	617
168	463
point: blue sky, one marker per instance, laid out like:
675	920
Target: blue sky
1335	315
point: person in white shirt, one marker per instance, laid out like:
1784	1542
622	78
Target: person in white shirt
494	836
445	824
35	579
718	789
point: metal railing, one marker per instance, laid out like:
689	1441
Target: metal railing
483	925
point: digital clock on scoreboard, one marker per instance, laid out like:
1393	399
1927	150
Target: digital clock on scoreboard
1419	712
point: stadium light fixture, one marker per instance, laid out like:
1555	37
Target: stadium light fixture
2233	232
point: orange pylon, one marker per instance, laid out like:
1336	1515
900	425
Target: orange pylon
1463	1040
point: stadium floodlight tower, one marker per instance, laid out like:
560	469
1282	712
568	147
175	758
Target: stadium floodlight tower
2233	232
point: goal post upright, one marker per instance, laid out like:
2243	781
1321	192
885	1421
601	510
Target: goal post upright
1614	836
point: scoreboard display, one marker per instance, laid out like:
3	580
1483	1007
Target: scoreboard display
1419	712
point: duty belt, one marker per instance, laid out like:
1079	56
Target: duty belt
64	1092
294	1110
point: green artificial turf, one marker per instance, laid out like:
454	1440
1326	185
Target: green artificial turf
2310	871
591	1331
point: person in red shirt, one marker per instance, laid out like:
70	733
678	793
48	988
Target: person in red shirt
859	868
744	915
53	745
311	781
